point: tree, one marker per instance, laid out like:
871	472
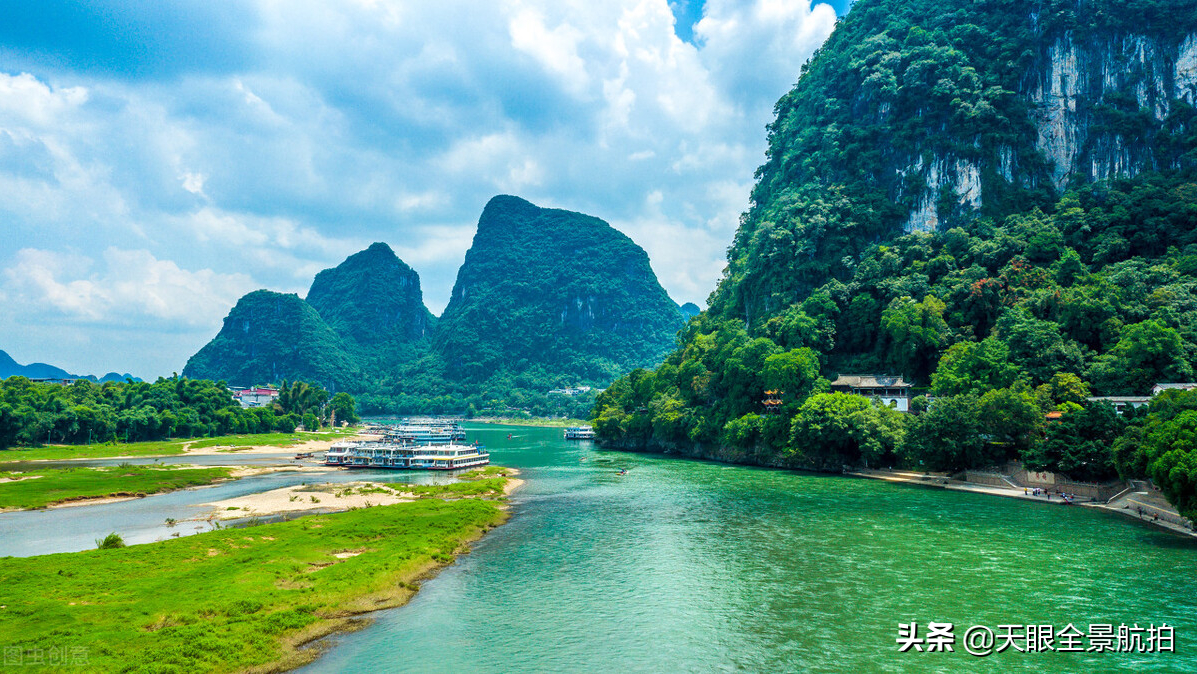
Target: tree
1165	450
1037	346
832	430
1012	419
974	367
795	372
1080	444
1146	353
310	422
915	332
947	436
345	408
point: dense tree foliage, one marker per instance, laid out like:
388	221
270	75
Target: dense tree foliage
85	412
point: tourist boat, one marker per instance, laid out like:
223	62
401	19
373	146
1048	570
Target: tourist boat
421	431
405	456
579	433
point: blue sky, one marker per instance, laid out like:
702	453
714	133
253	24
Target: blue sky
160	159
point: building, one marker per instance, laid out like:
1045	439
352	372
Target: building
1160	388
1122	403
255	397
54	380
571	391
893	391
773	401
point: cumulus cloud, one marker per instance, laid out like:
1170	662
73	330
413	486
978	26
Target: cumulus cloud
292	134
124	286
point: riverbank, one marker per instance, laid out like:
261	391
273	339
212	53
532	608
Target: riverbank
944	482
245	599
342	496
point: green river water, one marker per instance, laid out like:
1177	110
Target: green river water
693	566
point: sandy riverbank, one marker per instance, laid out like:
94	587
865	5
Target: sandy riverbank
324	497
238	472
327	497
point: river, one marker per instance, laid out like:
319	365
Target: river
694	566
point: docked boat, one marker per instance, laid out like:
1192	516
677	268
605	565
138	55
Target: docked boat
405	456
579	433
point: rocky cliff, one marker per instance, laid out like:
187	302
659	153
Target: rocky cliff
922	115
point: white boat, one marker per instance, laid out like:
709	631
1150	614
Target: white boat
579	433
405	456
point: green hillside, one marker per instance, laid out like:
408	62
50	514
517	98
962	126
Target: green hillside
372	298
553	295
271	337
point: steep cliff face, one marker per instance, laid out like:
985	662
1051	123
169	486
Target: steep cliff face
268	337
372	297
921	115
553	291
1097	102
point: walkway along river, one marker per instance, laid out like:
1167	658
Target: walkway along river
691	566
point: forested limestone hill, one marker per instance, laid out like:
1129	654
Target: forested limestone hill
269	337
371	298
548	293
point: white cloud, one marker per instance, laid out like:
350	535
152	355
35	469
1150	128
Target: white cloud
132	288
556	49
24	97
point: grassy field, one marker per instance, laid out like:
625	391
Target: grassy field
104	451
233	599
165	447
51	486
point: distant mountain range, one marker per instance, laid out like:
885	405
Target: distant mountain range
11	368
545	298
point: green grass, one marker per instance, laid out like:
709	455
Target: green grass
164	447
105	451
66	484
232	599
475	487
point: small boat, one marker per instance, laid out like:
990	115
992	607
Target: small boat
303	455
